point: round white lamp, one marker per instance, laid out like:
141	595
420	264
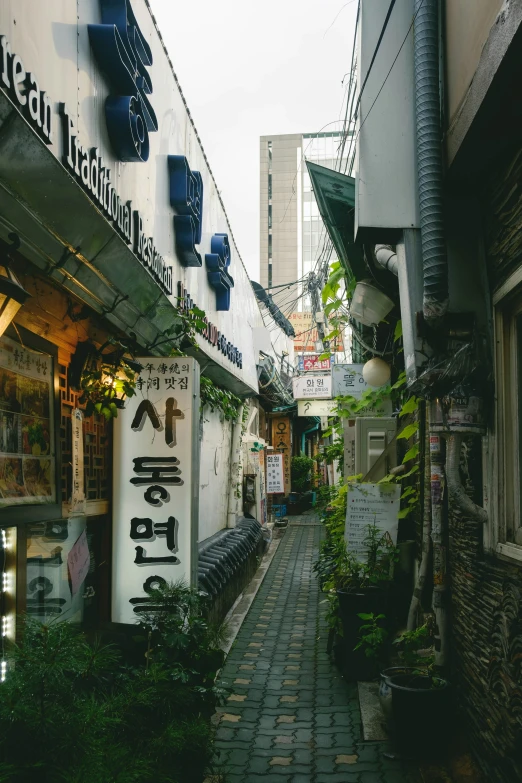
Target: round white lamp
376	372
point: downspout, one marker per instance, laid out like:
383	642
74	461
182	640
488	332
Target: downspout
303	437
235	478
429	159
387	258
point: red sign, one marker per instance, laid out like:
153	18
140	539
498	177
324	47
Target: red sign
314	363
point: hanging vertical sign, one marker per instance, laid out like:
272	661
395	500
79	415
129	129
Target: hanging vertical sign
78	476
275	482
156	485
282	443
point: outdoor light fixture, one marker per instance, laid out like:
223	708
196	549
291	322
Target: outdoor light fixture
376	372
12	294
369	305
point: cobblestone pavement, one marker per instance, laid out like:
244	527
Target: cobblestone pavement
290	717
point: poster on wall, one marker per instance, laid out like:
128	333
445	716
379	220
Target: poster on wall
156	485
371	505
27	453
282	443
275	482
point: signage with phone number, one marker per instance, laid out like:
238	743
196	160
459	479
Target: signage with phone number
312	388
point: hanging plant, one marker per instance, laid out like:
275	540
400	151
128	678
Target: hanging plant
104	380
219	399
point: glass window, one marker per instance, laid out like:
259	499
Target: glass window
67	569
27	448
270	216
269	186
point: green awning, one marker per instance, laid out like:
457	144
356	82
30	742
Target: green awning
335	196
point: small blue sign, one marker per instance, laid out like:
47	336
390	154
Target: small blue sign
186	196
217	262
123	54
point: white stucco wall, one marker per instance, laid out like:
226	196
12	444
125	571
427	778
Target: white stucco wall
214	477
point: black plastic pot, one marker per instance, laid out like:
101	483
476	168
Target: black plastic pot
385	689
368	600
421	713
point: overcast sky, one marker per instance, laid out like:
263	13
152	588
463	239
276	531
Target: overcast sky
251	69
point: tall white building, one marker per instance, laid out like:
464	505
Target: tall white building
293	238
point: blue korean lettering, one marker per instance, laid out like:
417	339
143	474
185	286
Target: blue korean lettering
123	54
186	196
217	262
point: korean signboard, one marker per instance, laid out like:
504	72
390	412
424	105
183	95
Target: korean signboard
282	443
306	334
312	387
156	485
371	504
312	363
348	379
275	482
317	407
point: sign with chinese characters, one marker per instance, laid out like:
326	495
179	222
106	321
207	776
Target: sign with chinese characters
348	380
27	458
312	387
275	482
317	407
78	477
156	485
368	505
282	443
312	363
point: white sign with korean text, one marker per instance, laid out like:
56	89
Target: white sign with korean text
371	504
348	379
316	407
156	485
312	387
275	481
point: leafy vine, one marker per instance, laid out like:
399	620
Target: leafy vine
218	399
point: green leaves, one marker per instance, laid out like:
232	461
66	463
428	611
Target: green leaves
411	453
219	399
397	334
409	406
408	431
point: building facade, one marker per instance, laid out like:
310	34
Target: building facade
293	239
111	219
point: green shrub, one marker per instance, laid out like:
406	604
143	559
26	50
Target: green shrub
72	711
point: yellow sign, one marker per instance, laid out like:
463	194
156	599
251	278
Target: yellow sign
282	443
306	333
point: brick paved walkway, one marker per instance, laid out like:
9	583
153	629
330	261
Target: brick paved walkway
290	717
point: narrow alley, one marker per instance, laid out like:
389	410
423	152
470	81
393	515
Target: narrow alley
290	715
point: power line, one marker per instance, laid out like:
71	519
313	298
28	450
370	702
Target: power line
381	36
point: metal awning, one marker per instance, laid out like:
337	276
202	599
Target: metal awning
335	196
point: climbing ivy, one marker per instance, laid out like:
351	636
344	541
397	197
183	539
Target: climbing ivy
218	399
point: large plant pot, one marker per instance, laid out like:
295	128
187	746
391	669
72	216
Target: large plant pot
370	600
421	714
385	690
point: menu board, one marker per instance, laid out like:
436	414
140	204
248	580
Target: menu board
26	425
275	483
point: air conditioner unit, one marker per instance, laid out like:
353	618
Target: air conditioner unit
372	436
365	439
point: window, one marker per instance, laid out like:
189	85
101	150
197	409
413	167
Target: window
507	456
269	186
270	245
270	216
269	154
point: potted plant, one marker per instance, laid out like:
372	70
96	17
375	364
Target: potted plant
420	699
362	588
408	646
372	642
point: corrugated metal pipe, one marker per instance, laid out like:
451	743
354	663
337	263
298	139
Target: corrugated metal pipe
387	258
429	159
